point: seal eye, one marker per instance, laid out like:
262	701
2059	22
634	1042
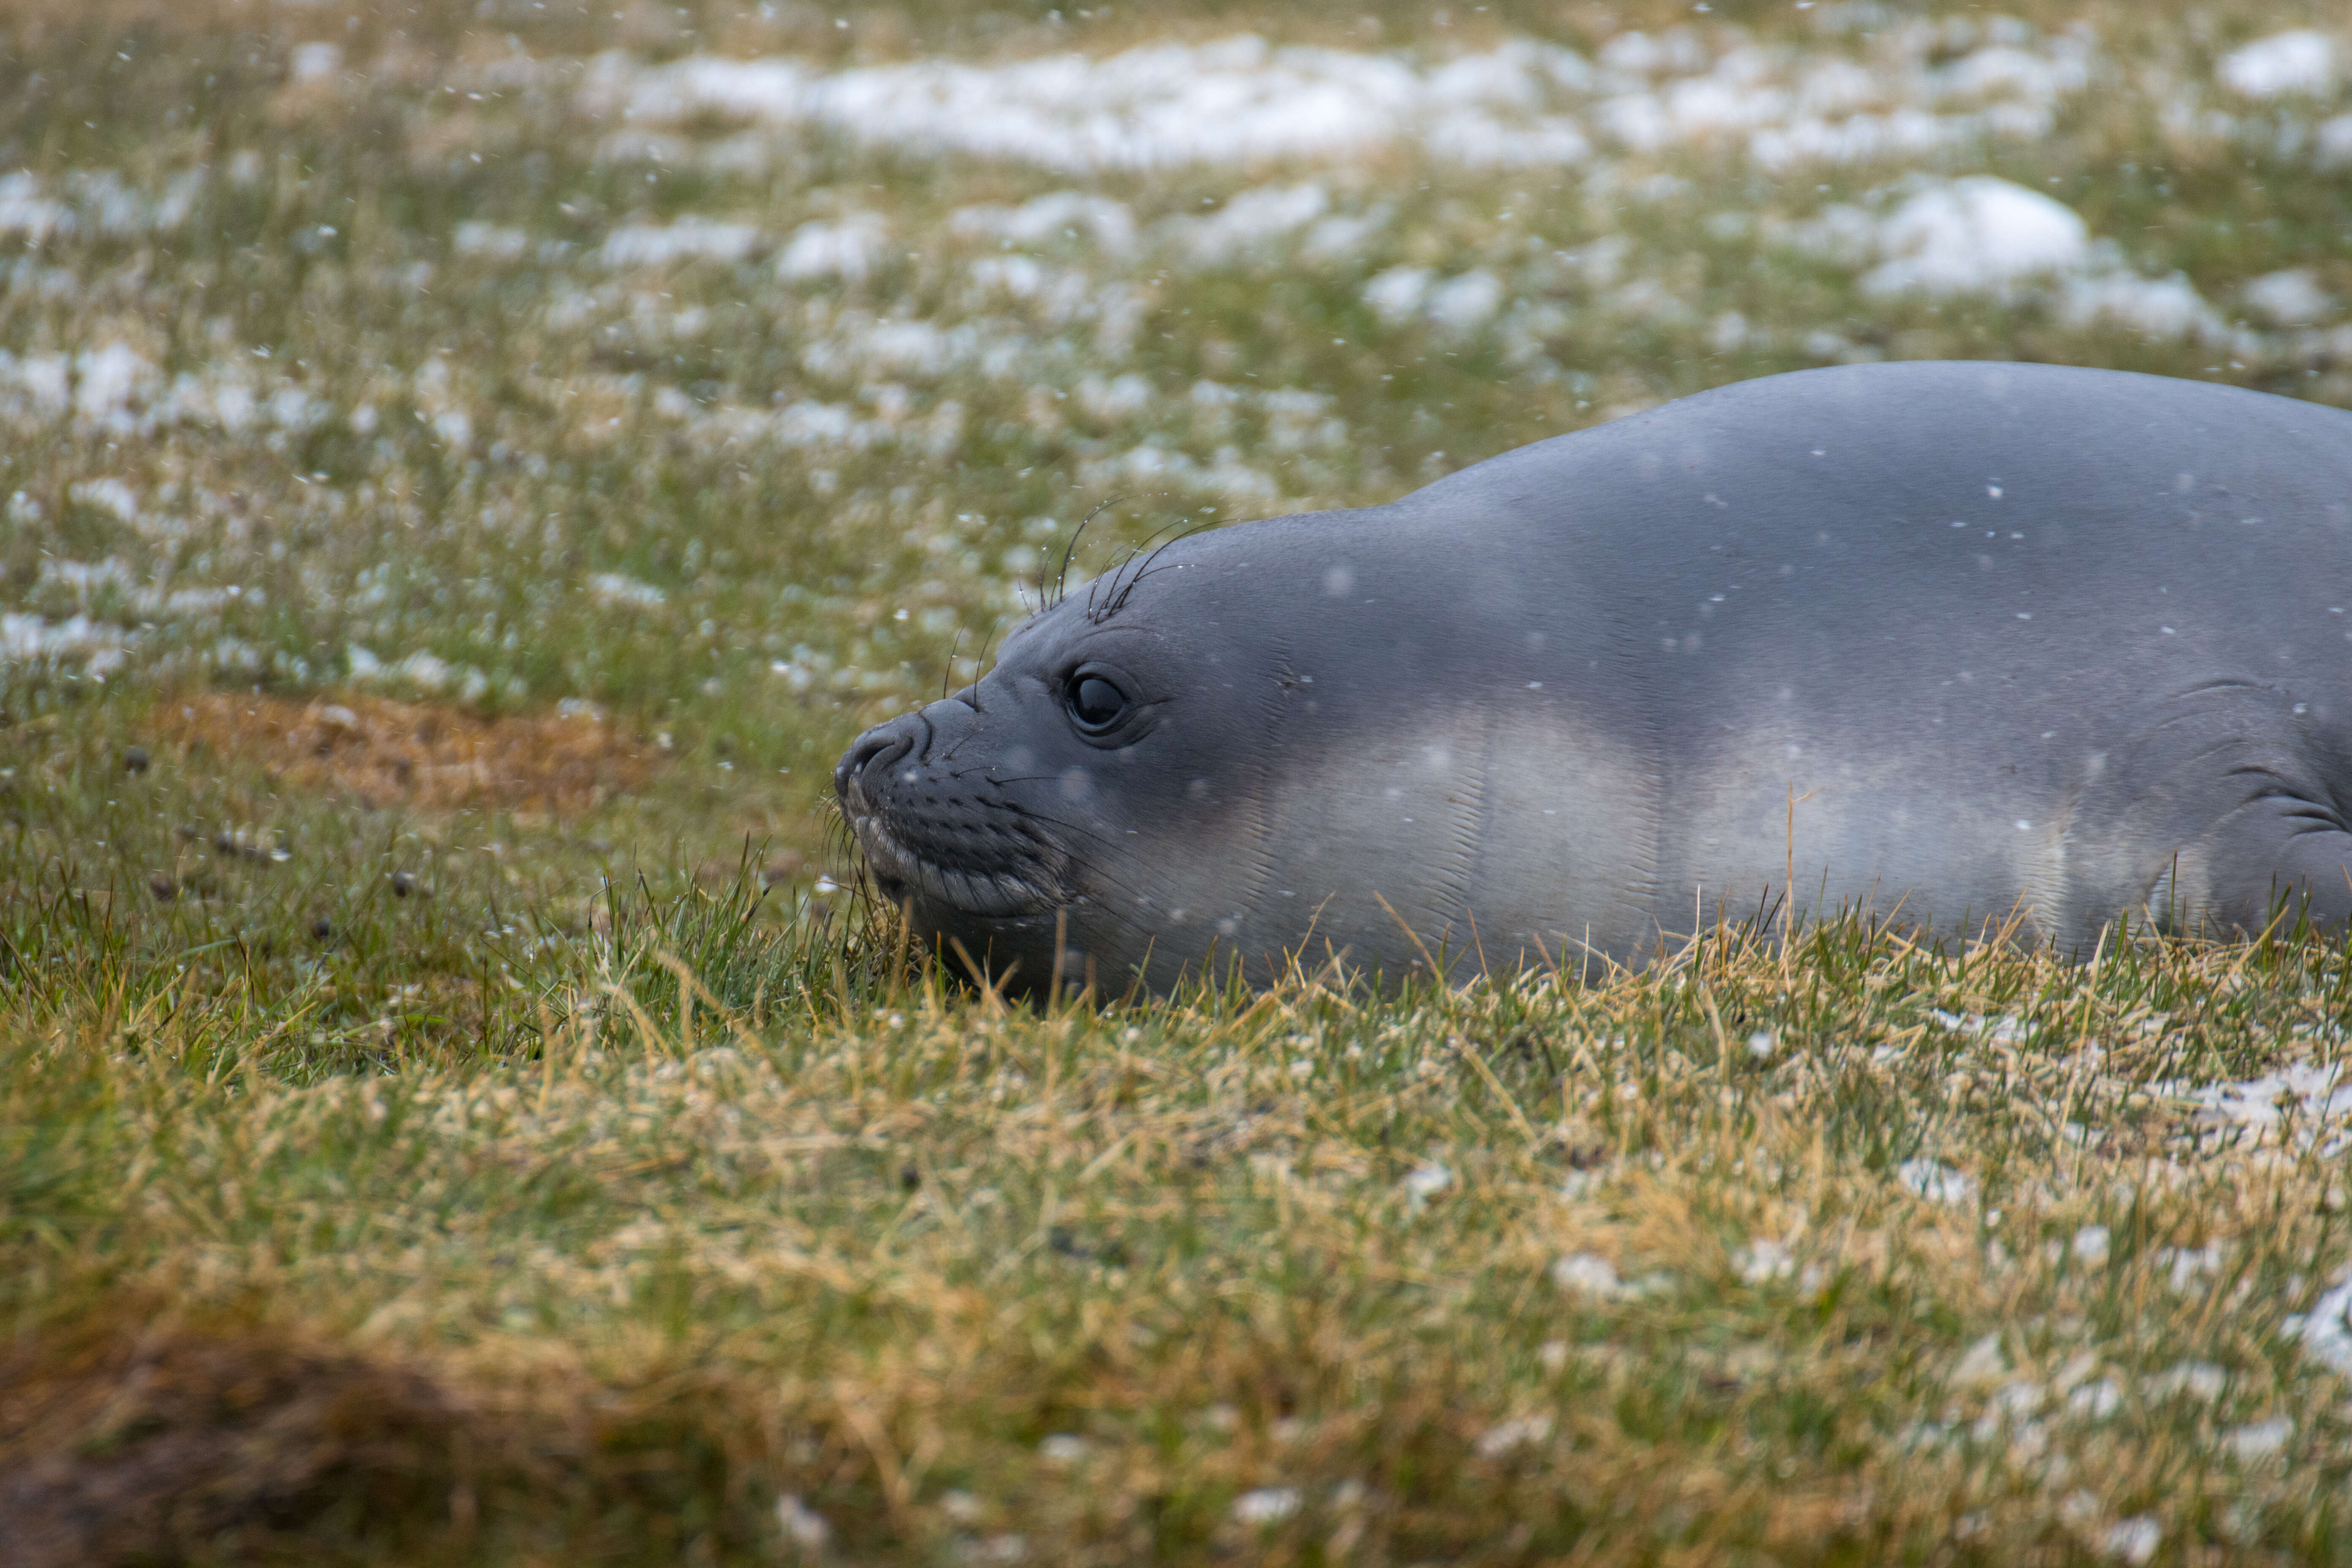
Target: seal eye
1095	703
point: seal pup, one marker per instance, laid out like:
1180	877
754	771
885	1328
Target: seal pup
1949	641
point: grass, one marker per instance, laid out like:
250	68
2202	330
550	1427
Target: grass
447	1113
1756	1253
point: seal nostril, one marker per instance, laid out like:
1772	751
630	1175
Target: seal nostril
878	748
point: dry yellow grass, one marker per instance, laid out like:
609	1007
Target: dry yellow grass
1856	1256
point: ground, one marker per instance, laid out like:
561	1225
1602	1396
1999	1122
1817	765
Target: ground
469	468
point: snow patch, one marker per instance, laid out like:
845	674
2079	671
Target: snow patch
1058	215
2167	307
1240	101
618	588
1233	100
1121	397
92	202
2258	1440
1267	1505
2300	61
107	494
1457	305
1761	1262
1589	1274
2197	1379
2326	1330
1979	234
314	62
26	213
27	638
115	389
1150	464
2133	1540
1249	223
2319	1099
2007	1029
847	249
490	241
1519	1432
2289	297
1423	1183
2332	139
687	239
1936	1182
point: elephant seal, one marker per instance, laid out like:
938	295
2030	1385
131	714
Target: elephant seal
1951	642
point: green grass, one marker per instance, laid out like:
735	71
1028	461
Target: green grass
394	1170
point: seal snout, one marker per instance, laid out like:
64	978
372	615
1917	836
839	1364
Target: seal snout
947	839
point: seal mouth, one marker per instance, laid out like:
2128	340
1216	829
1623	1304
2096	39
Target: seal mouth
995	886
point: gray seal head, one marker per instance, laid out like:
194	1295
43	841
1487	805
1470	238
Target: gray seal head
1961	643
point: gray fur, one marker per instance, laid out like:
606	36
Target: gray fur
1998	639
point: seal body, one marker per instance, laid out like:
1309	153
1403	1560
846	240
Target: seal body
1967	645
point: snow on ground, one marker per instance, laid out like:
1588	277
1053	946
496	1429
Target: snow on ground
1984	235
1921	90
1028	310
2291	296
1975	234
2301	61
114	388
690	238
98	647
847	249
1240	101
425	671
496	242
2305	1107
2311	1104
92	203
1048	219
1236	99
1250	219
615	588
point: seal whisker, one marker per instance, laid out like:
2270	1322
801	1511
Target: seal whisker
1096	613
947	670
1068	826
1117	601
980	665
1061	578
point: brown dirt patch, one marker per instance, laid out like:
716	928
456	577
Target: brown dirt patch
138	1448
142	1435
417	754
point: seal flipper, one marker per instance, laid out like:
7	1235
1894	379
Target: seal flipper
2237	812
2280	847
